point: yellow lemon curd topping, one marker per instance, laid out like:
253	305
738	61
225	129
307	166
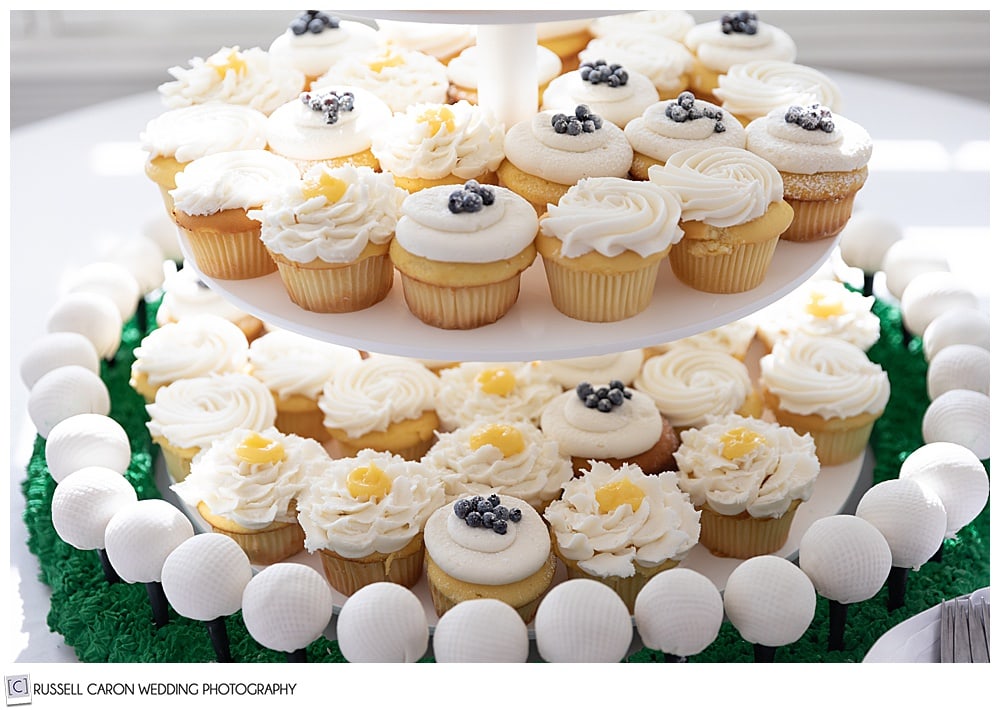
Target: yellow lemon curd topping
328	186
233	61
821	308
387	59
508	439
259	449
612	495
497	380
437	117
740	442
368	483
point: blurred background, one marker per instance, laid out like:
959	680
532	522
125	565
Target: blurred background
66	59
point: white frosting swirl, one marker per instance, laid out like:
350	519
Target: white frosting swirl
763	481
233	76
722	186
237	179
292	364
296	131
733	338
821	307
482	556
193	347
690	385
305	229
665	62
826	376
312	53
399	77
613	215
534	147
498	231
793	149
618	104
719	51
469	144
196	131
659	137
461	400
755	88
672	24
253	495
185	296
627	430
373	393
664	526
465	69
196	411
623	366
334	519
535	474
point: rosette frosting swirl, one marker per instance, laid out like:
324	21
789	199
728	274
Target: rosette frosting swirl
755	88
292	364
195	346
398	76
196	131
237	179
665	62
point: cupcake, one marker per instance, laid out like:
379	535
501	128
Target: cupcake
329	235
245	77
315	40
550	152
622	366
735	38
430	144
612	424
189	414
567	38
690	386
176	137
667	127
823	160
400	77
825	387
211	201
382	402
460	253
333	127
611	90
493	547
748	478
602	245
185	295
513	459
732	215
756	88
197	346
477	391
732	338
465	70
620	526
665	62
295	368
668	24
443	41
245	485
365	516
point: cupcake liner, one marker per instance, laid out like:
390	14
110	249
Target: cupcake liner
302	422
275	543
176	459
627	588
818	219
597	297
742	269
339	288
460	308
837	440
235	255
743	536
405	567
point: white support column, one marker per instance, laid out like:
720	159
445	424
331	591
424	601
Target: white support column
508	80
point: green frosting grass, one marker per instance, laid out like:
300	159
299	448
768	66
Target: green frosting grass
111	623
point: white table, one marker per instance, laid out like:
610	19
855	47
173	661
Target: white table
77	188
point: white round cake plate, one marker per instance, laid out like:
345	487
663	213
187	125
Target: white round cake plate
533	329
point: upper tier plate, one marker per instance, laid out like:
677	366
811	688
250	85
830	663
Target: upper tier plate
533	329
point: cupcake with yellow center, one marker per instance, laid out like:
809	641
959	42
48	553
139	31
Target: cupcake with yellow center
430	144
329	235
486	391
465	70
609	89
381	402
460	253
245	486
620	526
602	245
511	458
315	40
665	62
365	516
747	477
488	547
332	128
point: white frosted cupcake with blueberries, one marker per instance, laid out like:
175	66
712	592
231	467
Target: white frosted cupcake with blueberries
314	40
665	62
610	89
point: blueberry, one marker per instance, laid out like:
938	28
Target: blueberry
809	121
455	202
515	515
604	405
561	126
598	121
588	126
484	506
685	99
602	392
489	197
614	81
501	512
720	127
582	111
616	397
493	500
316	25
298	27
583	389
594	78
676	112
558	118
473	519
475	501
616	385
500	527
489	517
826	125
574	128
626	394
462	508
471	185
471	201
591	401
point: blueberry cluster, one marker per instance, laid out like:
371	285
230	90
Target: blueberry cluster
480	512
313	21
683	109
331	103
812	117
742	22
600	72
582	121
471	198
603	399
